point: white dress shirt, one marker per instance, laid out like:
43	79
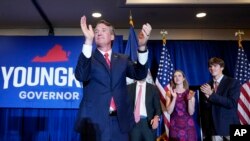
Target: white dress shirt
87	51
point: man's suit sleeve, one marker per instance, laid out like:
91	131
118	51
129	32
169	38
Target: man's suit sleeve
230	99
157	104
83	68
136	70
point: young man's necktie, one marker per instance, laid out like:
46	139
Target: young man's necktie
216	84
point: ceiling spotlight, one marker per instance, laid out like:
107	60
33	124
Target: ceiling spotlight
96	15
201	15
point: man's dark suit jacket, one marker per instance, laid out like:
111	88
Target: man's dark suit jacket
152	101
219	111
100	84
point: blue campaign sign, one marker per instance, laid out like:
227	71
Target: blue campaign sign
38	72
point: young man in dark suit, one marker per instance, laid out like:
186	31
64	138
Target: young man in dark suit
147	110
105	112
219	102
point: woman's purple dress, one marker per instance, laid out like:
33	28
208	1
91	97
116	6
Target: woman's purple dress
182	127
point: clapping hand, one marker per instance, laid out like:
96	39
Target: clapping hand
206	89
190	95
173	93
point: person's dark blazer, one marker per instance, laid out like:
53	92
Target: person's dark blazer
152	99
222	106
100	84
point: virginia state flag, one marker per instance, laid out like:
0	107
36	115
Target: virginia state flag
132	45
131	51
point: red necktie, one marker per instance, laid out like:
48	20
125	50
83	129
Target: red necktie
112	102
106	56
137	105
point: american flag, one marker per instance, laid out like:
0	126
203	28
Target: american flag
164	75
242	73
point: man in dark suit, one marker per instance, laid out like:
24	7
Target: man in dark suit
219	102
145	97
106	112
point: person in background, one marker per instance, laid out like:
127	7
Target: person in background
219	102
147	110
106	112
180	104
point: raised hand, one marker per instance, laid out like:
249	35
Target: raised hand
173	93
144	36
190	95
87	31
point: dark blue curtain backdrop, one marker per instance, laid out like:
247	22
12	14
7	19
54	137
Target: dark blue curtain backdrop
57	124
191	56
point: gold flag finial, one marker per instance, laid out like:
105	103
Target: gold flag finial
239	33
131	19
164	36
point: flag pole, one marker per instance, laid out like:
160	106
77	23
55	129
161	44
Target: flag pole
165	116
164	36
131	19
132	45
241	74
239	34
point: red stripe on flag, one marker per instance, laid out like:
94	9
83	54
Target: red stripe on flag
243	102
245	94
166	121
248	84
166	88
244	107
242	119
163	100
